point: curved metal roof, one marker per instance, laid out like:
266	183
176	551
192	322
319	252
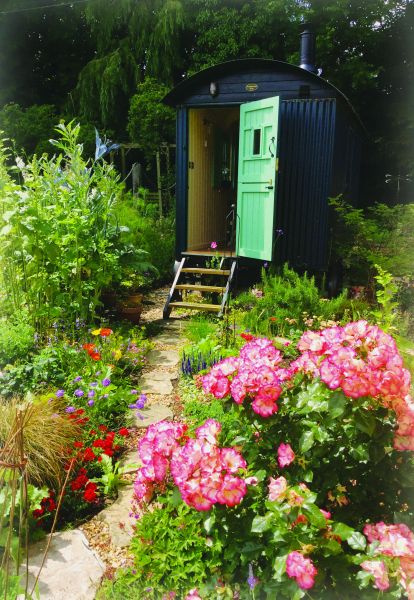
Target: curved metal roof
186	87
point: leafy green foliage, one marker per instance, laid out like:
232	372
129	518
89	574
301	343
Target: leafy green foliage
382	236
149	121
30	128
16	339
288	303
60	244
169	541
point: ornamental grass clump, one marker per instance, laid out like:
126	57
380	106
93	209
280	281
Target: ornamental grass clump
311	495
47	435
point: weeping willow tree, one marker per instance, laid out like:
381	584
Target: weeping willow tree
133	39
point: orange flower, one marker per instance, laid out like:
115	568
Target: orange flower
89	347
95	355
105	332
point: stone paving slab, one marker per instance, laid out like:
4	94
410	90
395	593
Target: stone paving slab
156	382
72	570
153	414
164	358
120	524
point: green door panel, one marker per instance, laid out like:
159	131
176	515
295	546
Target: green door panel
256	184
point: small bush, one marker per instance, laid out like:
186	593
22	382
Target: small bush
16	340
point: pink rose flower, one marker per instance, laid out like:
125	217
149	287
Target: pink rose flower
285	455
302	569
277	488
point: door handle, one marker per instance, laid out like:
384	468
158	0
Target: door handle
272	141
269	187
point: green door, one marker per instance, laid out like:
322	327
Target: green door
257	178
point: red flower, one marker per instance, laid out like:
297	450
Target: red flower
95	355
109	452
79	482
124	431
80	411
90	492
105	332
92	432
78	444
38	513
103	428
89	347
247	336
98	443
52	504
88	455
272	318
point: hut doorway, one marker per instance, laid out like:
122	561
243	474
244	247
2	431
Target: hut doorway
213	143
232	170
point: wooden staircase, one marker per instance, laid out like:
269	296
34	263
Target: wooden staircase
191	276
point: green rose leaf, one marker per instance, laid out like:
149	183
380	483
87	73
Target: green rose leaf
306	441
279	567
337	404
365	421
314	515
261	524
342	530
357	541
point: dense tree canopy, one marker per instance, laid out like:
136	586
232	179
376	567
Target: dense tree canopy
89	58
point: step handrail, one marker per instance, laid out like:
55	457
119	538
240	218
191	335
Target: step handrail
167	310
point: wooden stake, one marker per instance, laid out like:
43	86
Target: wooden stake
159	181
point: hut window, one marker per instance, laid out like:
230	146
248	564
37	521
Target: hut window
256	140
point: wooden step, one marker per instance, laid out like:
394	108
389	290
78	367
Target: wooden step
200	288
196	306
199	271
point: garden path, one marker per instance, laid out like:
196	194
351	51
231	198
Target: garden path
78	559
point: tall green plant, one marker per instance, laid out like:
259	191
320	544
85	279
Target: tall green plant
60	243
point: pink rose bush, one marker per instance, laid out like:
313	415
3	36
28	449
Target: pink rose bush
316	450
204	473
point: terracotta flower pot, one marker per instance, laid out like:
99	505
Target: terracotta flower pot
131	313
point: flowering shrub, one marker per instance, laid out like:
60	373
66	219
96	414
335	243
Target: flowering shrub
304	498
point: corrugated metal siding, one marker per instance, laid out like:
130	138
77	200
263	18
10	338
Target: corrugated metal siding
181	184
306	142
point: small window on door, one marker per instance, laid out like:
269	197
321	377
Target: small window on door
257	135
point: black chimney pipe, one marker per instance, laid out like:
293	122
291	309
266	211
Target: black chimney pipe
308	50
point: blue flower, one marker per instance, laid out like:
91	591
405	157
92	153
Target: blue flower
70	409
91	393
106	382
91	402
78	378
79	392
60	393
93	384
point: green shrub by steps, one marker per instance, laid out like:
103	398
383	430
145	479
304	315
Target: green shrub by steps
289	301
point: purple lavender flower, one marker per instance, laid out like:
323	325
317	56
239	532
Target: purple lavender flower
140	403
252	580
134	391
106	382
91	402
93	384
79	392
91	393
70	409
78	378
60	393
